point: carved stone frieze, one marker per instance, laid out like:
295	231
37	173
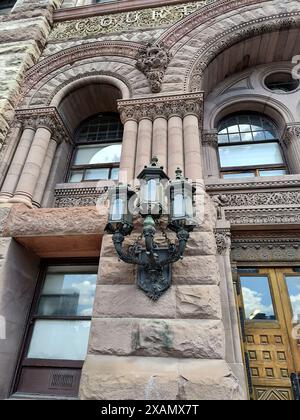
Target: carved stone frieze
153	61
277	198
44	117
223	240
78	197
119	22
263	216
163	106
278	249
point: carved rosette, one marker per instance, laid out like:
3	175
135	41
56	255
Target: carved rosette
166	107
223	240
153	61
47	118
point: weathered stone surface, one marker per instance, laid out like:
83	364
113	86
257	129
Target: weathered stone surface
201	243
4	212
158	338
196	270
46	222
148	378
129	302
114	271
198	302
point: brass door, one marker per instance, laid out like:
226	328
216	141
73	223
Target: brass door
269	301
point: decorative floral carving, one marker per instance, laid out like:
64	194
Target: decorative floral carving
153	61
263	216
44	117
292	133
163	106
223	240
78	197
278	198
210	138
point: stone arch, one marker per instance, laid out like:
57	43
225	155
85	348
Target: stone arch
201	37
115	59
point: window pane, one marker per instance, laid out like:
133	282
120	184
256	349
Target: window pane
68	293
61	340
233	138
250	155
259	136
96	174
223	138
257	298
115	174
275	172
246	137
293	284
90	155
239	175
75	176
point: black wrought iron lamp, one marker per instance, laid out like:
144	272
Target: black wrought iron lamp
158	196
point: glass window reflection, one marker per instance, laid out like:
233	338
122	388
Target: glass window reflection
257	298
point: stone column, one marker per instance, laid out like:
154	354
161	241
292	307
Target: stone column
192	148
210	154
44	173
291	147
160	141
144	145
233	346
12	142
175	145
33	165
16	167
128	155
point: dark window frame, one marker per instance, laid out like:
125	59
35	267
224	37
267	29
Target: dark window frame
249	168
23	361
105	142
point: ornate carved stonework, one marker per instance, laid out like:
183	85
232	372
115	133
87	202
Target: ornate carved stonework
223	240
77	197
277	198
292	132
264	216
162	106
153	61
44	117
277	249
210	138
119	22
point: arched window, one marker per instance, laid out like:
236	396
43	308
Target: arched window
249	146
98	149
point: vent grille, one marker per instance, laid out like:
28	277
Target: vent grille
60	380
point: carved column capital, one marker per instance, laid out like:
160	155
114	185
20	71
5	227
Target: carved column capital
292	132
48	118
153	61
161	107
210	138
223	240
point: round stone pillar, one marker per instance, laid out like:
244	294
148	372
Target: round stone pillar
175	145
15	169
160	141
144	145
192	148
44	174
129	142
32	168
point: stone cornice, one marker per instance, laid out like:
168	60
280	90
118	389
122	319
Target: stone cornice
161	106
47	117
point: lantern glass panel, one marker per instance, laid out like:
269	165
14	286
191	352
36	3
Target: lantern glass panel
179	206
117	210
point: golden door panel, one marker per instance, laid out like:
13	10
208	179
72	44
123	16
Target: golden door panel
269	303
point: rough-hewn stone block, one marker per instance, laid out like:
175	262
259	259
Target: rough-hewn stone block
196	270
198	302
151	378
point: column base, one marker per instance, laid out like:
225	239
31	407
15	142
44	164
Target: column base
21	200
4	198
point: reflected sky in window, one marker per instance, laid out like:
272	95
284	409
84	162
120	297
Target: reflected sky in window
257	298
293	285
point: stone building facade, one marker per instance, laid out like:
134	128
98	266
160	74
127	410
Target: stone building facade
90	91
